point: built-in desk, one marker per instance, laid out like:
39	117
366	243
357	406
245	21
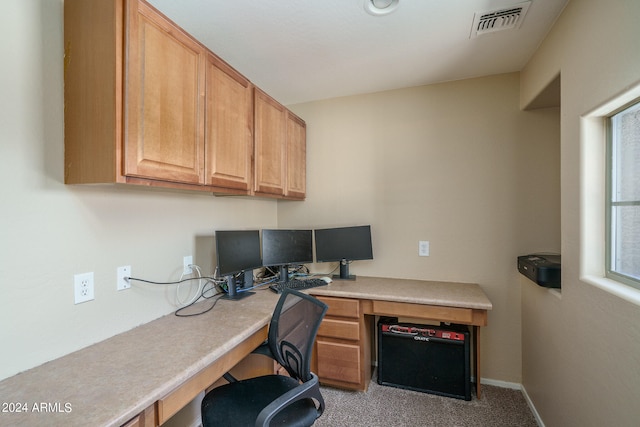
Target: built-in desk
146	374
344	348
143	376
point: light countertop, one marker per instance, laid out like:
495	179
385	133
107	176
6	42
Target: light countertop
463	295
108	383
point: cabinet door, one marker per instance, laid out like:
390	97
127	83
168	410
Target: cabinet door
296	157
229	126
164	112
270	144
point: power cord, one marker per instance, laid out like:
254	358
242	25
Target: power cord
218	294
136	279
218	286
200	293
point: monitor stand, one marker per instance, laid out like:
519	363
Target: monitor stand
284	274
344	272
233	293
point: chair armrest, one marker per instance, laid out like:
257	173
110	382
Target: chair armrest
306	390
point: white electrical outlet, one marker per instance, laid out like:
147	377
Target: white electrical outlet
123	274
83	287
186	265
423	248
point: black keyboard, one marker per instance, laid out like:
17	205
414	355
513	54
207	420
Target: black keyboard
297	284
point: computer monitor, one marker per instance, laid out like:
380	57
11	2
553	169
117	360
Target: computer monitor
237	251
283	248
344	244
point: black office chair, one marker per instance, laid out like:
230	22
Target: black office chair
276	400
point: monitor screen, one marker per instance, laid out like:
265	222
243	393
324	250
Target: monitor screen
286	247
237	251
346	243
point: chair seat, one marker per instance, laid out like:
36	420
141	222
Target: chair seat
239	403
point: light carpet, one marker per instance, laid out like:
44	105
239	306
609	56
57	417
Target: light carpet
386	406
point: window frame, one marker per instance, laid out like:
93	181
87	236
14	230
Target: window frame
610	203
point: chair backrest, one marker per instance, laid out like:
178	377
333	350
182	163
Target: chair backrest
293	330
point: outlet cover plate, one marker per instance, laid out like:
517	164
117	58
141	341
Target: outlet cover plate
83	287
186	262
121	273
423	248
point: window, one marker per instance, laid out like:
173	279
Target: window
623	196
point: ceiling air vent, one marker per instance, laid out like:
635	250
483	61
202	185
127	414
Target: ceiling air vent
497	20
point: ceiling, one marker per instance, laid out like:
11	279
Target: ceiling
307	50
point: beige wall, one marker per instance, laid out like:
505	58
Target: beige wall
50	231
581	353
457	164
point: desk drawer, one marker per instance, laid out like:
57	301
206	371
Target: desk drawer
340	362
336	328
420	311
342	307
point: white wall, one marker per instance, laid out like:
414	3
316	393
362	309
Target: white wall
457	164
581	352
50	231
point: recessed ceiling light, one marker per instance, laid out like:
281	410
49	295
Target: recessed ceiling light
380	7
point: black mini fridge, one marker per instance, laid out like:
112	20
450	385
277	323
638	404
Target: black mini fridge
426	358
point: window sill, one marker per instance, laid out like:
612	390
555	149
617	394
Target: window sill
618	289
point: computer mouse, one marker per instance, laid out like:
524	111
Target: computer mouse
326	279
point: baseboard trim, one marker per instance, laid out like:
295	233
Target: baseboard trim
532	407
498	383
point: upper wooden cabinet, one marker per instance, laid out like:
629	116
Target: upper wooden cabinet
93	79
280	149
270	145
147	104
229	126
296	157
164	99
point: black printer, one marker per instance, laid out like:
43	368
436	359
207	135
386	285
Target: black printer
542	269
